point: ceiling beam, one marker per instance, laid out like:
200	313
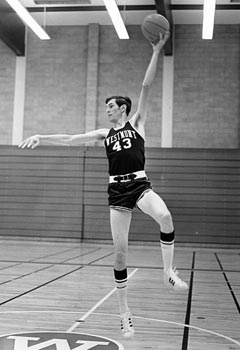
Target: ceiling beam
163	7
191	7
12	29
90	8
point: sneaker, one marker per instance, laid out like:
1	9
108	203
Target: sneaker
172	280
126	325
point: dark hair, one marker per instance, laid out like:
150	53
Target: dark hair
120	100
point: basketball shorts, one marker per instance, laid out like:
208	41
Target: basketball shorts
125	195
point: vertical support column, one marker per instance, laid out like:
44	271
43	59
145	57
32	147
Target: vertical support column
19	98
92	77
167	102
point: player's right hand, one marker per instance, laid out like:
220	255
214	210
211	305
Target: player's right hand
161	42
30	142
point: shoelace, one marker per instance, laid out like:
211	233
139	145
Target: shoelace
126	323
175	271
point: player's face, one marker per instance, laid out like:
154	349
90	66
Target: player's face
113	111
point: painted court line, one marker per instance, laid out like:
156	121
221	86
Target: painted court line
99	303
178	324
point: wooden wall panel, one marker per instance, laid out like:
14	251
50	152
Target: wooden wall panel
201	188
62	192
41	192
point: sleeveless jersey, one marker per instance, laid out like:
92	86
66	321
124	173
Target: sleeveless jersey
125	150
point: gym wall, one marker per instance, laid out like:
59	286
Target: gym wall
55	192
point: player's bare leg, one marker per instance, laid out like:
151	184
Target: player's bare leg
152	204
120	223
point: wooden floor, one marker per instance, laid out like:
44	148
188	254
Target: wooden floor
48	286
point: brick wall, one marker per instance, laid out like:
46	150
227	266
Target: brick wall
206	93
206	83
55	82
7	76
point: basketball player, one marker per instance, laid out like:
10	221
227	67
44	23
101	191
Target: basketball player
129	185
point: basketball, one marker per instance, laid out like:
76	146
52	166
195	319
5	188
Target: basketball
153	25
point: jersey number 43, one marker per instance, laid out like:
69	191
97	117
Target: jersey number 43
126	144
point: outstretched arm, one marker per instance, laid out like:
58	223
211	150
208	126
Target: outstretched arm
64	139
139	117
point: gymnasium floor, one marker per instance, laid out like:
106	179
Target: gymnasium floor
69	288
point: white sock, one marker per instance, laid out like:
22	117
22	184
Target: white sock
121	284
167	246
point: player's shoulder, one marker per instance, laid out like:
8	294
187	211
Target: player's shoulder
137	123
